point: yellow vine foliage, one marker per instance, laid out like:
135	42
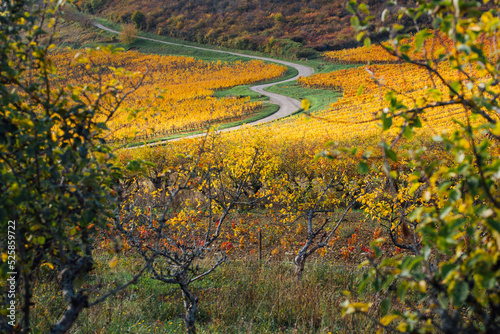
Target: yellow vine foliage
286	170
377	54
187	86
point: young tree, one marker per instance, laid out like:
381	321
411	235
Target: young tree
317	206
128	34
56	173
454	204
176	237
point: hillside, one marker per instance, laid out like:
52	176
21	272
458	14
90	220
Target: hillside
296	29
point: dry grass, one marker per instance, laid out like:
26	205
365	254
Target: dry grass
240	297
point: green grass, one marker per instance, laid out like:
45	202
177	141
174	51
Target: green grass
242	90
239	297
320	99
322	66
152	47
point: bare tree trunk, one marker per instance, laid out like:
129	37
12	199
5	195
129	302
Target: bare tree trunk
300	262
75	301
69	317
190	306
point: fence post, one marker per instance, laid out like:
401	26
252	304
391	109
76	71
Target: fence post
260	246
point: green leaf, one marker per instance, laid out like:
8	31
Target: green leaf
398	27
367	42
360	36
363	167
447	269
416	214
386	122
402	288
416	123
445	212
494	224
455	88
405	57
419	39
378	251
351	7
134	165
360	89
460	293
391	154
408	133
355	22
385	305
454	195
364	8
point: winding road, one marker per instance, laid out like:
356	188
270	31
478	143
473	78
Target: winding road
287	105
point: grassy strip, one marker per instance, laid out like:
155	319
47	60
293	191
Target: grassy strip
322	66
320	99
268	110
146	46
319	64
243	90
239	297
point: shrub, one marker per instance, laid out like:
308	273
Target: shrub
139	19
128	34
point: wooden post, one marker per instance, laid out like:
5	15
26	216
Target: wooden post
260	245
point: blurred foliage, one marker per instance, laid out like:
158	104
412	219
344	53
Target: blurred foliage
450	208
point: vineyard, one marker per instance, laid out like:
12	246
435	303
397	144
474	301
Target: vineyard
378	53
430	49
289	146
176	94
378	214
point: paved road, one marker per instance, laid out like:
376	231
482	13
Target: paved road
287	105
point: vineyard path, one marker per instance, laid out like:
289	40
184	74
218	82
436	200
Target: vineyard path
287	105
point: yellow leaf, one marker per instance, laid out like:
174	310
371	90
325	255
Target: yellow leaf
388	319
113	262
402	327
305	104
50	265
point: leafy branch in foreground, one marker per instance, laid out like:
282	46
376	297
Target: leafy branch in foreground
56	172
451	282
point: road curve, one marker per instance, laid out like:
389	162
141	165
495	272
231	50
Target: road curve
287	105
